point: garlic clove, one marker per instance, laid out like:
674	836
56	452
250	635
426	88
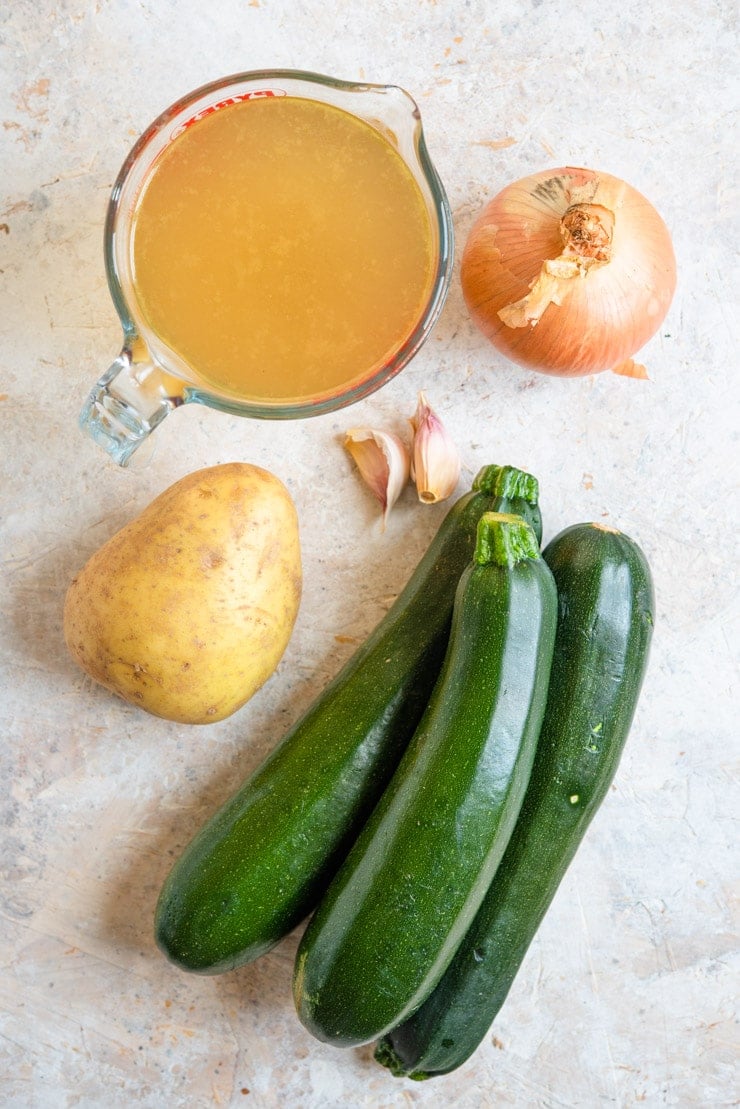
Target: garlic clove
383	461
435	465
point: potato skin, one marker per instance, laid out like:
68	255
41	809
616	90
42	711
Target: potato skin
187	610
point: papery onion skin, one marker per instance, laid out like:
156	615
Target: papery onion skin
606	315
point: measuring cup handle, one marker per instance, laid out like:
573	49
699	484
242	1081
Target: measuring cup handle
129	401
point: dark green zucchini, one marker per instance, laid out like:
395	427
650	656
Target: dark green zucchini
605	622
259	866
401	903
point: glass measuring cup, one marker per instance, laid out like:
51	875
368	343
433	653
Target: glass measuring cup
150	377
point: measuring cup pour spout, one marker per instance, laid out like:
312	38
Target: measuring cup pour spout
129	401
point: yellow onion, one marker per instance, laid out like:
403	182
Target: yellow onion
569	272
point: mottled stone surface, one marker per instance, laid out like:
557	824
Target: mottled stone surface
627	994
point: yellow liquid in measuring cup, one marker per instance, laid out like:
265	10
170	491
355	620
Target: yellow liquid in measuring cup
282	249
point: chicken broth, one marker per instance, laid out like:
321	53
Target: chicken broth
281	249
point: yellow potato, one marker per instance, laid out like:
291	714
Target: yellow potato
188	609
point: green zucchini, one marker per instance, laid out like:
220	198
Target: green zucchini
401	903
259	865
605	621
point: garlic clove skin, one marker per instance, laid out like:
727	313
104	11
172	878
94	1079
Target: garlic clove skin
435	465
383	461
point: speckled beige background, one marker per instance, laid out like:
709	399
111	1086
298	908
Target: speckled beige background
627	994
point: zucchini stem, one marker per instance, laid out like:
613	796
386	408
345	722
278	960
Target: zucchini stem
507	481
504	539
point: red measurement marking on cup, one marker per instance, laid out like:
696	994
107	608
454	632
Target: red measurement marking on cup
256	94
